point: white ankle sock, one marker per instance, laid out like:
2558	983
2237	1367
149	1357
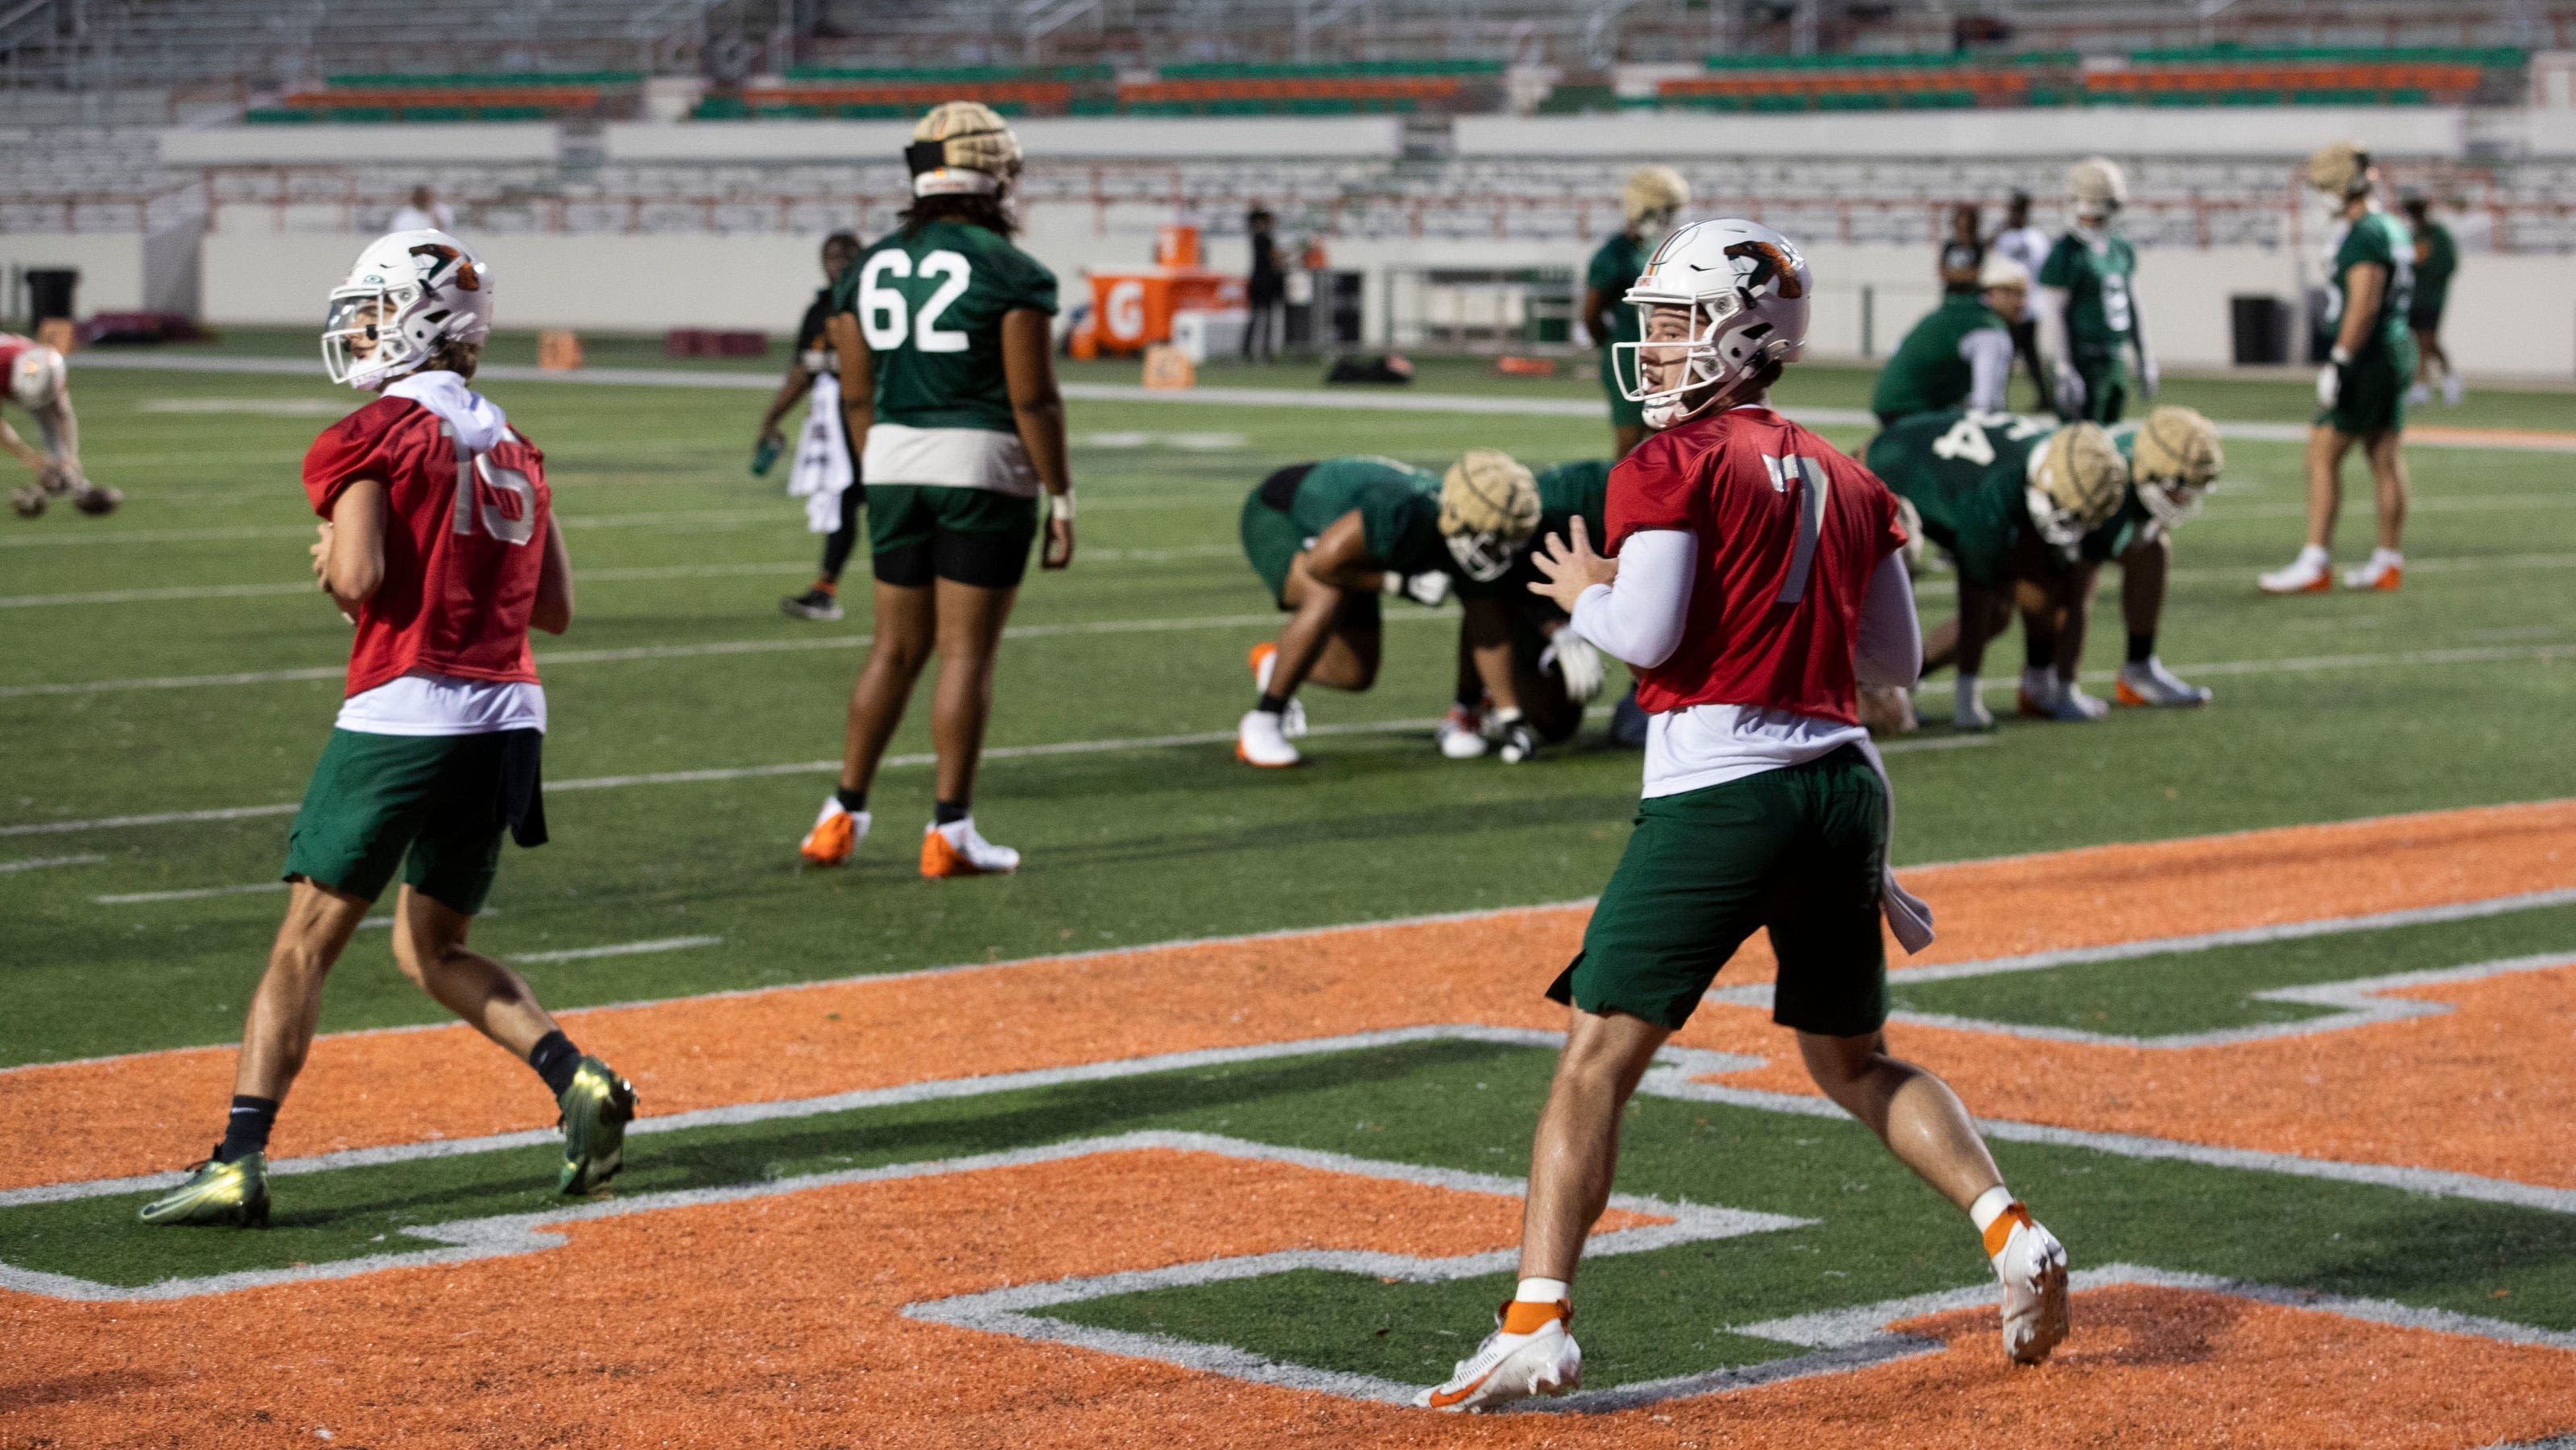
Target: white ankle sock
1968	701
2387	559
1543	1291
1990	1205
2313	556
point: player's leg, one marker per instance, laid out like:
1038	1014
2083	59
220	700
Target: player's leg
2144	680
1273	544
1983	612
822	601
980	562
1547	697
2311	573
2055	614
1824	918
902	632
2386	455
1461	732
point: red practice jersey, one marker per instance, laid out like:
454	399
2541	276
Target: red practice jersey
1789	533
465	542
11	346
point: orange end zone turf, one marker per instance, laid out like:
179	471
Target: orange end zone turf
138	1114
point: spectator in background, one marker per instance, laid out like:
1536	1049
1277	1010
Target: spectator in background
825	472
2437	256
1964	252
2028	245
424	213
1268	288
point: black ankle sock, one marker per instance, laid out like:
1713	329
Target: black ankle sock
2039	654
1272	704
853	801
2141	648
246	1131
948	813
556	1060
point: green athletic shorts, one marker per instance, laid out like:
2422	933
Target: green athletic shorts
1272	541
2373	397
1623	413
1797	850
918	532
2106	393
431	804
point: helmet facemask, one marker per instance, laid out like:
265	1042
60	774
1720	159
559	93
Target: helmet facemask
1489	509
358	347
1677	377
2170	501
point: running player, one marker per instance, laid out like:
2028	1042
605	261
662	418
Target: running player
823	472
2088	302
1650	202
1758	576
1328	538
2437	256
439	540
39	383
1961	353
2361	394
2010	500
948	391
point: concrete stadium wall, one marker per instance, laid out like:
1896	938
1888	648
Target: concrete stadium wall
1048	137
2250	131
466	142
111	265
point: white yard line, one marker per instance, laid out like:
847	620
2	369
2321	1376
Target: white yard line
620	949
193	893
41	863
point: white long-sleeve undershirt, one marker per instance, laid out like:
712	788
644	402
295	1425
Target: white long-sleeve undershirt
1640	619
1988	352
1888	647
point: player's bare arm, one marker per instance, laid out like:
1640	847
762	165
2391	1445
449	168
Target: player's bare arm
858	379
349	560
553	610
2369	284
1340	560
1028	368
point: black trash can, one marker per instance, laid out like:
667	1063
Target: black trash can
49	292
2260	327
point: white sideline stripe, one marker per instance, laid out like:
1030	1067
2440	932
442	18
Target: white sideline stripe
193	893
621	949
891	762
40	863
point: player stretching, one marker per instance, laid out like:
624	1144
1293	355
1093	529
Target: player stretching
1758	572
38	383
439	540
2088	301
948	389
2361	394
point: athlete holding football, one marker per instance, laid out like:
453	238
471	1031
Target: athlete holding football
39	383
439	541
1758	574
948	391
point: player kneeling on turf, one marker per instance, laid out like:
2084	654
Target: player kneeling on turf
1328	538
1555	670
439	541
39	383
1758	575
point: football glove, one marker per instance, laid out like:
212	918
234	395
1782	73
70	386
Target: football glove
1519	741
2148	373
1428	590
2068	389
2330	379
1576	661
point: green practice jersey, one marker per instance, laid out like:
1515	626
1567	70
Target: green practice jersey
930	304
1575	490
1930	372
2437	256
1968	475
1614	268
2381	239
2101	317
2131	522
1399	508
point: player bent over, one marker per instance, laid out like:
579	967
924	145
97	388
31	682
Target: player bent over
439	540
949	395
1329	537
2361	394
2009	499
1555	670
1758	574
39	383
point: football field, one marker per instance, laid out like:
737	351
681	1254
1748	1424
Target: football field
1208	1127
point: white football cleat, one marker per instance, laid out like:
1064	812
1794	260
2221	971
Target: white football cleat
956	849
2148	683
1259	740
1461	733
1292	721
2073	707
2032	1265
2038	697
2305	575
1530	1352
2452	390
2382	573
2419	395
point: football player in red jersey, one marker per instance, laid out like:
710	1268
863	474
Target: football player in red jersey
440	544
1758	577
39	384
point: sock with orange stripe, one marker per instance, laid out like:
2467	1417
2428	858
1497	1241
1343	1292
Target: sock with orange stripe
1995	1213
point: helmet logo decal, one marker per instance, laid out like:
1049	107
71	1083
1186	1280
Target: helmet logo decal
1769	261
441	257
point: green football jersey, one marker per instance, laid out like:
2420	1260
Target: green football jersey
1614	268
2377	238
1968	475
1928	373
930	304
1575	490
2437	256
1399	508
2128	525
2101	316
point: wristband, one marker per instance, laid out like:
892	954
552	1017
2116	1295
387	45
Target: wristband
1060	505
2340	356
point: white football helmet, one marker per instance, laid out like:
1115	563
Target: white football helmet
2096	189
36	378
1747	289
410	293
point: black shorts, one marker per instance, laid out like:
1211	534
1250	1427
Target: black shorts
921	532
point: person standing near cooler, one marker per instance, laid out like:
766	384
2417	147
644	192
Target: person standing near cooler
2028	245
439	542
1758	576
2088	302
2361	394
824	472
948	389
1264	290
2437	256
1651	202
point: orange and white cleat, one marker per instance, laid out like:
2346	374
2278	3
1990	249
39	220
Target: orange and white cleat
2147	684
1531	1352
1260	738
2032	1265
2308	574
1265	657
2384	571
956	849
836	834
